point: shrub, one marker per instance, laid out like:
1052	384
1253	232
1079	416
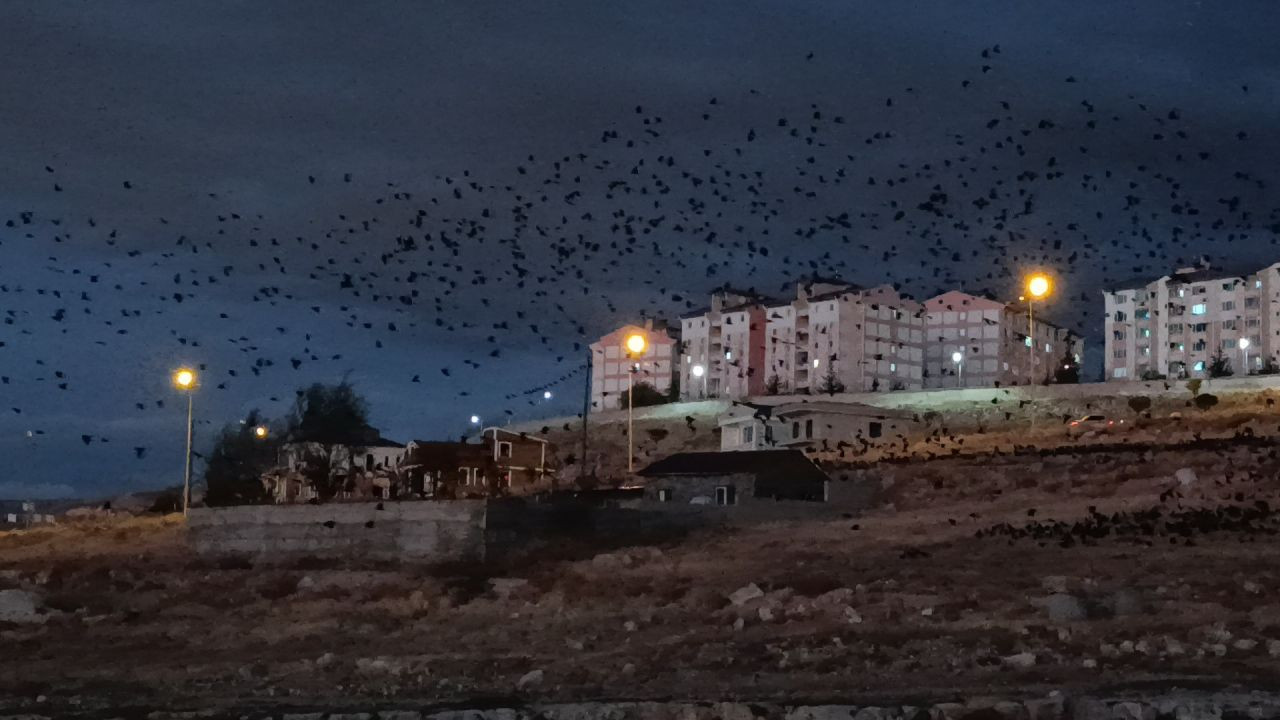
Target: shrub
1205	401
1139	404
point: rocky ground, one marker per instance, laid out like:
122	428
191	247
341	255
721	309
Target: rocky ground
1007	574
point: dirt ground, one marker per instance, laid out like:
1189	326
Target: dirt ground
971	579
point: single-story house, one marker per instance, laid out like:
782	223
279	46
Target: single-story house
736	478
815	425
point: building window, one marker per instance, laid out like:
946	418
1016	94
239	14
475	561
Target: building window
726	495
748	435
1199	327
1229	305
808	428
1198	367
1257	283
1228	286
1120	372
1119	353
504	449
1122	298
1251	302
1198	309
1145	332
1229	324
1120	316
1175	328
1199	346
795	429
1027	341
893	367
1119	334
875	429
664	495
1142	314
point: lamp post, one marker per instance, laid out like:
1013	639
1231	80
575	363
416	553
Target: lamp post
700	372
185	380
1244	348
1037	287
635	345
957	357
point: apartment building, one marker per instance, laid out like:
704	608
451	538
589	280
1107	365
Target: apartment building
866	339
722	349
1174	325
612	365
992	341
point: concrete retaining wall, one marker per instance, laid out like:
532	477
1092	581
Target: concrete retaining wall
429	531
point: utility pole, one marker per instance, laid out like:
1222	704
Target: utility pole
586	411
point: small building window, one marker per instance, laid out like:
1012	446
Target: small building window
1120	372
808	428
664	495
1198	309
875	429
748	435
504	449
795	429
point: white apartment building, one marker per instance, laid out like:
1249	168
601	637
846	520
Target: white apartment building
992	342
722	349
871	339
613	368
1173	325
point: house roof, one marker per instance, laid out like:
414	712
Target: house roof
784	465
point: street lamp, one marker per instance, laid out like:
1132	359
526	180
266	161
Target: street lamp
1038	286
1244	348
475	419
546	395
185	380
635	345
957	357
260	432
699	371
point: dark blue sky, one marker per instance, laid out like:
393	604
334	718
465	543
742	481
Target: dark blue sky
1101	140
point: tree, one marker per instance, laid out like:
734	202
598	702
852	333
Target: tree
673	392
1068	370
1219	365
773	386
1193	385
830	381
1139	404
1269	367
1205	401
233	473
645	396
329	424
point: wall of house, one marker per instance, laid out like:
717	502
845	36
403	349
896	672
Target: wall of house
424	531
686	489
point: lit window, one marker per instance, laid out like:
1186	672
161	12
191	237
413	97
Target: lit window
1198	309
728	354
1027	341
1146	332
893	367
1257	283
1120	372
1048	347
1198	367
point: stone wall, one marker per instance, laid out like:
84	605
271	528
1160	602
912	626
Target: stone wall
1179	705
429	531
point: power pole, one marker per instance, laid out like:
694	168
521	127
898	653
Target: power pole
586	410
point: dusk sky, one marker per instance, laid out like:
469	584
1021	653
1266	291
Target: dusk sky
283	194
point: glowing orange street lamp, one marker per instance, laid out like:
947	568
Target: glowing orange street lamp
185	380
635	345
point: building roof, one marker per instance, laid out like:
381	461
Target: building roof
1186	275
778	465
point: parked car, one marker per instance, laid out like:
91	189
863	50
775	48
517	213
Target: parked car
1092	425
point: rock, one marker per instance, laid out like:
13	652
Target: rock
325	660
744	595
1054	583
1129	710
852	616
1273	648
766	614
1186	477
1125	602
1064	608
307	583
608	561
629	626
529	679
1245	644
506	587
20	606
739	624
1020	660
1089	663
834	598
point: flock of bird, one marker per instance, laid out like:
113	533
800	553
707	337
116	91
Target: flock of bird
477	274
